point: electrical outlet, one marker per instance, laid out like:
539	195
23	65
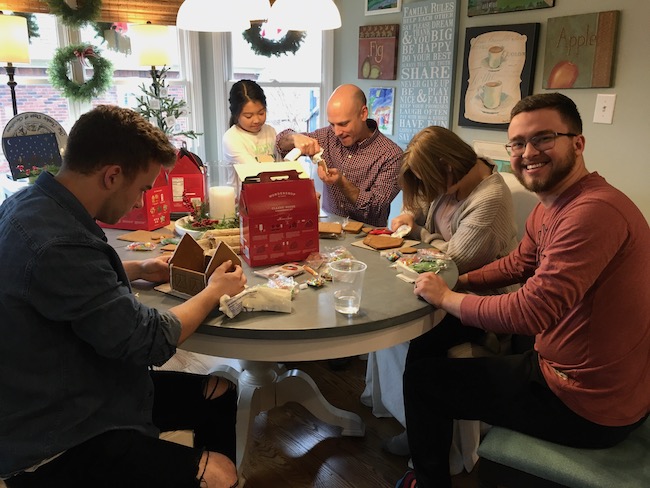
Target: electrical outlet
604	111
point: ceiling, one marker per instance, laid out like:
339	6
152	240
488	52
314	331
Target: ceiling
161	12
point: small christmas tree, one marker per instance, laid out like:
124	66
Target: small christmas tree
160	108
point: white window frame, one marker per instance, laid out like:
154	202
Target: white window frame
222	61
190	65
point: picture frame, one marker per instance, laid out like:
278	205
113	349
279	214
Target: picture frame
378	51
498	71
377	7
588	64
484	7
381	105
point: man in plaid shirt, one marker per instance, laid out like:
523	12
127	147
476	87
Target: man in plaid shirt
362	164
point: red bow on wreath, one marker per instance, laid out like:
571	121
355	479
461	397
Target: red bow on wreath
82	55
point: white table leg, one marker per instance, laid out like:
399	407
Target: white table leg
260	389
254	384
297	386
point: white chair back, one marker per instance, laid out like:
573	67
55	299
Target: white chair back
524	201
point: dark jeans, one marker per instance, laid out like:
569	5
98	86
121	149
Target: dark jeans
127	458
508	391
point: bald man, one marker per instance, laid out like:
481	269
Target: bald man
362	163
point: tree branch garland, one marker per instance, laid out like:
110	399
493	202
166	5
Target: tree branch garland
83	14
117	41
267	47
32	25
98	84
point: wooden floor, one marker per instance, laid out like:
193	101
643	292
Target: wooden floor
289	447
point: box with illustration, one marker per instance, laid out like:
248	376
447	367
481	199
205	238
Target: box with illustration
155	211
278	215
187	179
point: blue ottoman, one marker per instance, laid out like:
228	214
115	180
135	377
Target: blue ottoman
513	460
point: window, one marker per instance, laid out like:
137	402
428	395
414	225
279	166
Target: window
35	93
130	80
292	83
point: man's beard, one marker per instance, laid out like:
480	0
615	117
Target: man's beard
559	172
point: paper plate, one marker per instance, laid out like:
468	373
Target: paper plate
32	123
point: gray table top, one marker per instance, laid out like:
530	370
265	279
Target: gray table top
387	301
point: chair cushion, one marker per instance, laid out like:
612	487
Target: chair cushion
624	465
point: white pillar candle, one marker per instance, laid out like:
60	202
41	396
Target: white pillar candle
222	202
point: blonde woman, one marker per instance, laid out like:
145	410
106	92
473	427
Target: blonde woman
458	203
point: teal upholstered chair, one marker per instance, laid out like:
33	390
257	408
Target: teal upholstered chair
513	460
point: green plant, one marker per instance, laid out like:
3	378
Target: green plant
199	219
33	172
161	108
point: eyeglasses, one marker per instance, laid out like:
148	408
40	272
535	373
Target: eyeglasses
542	142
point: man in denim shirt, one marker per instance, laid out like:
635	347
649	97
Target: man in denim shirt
80	406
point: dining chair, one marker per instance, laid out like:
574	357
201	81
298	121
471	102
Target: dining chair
510	459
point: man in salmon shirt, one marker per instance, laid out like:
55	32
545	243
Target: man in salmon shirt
583	264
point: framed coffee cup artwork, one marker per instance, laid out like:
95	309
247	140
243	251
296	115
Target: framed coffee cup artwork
498	71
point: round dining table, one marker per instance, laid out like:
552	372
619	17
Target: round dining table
261	342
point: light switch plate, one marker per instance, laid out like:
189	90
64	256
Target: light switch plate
604	111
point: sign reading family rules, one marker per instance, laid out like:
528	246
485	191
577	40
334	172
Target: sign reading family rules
426	73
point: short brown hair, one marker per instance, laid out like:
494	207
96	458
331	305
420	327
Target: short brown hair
113	135
555	101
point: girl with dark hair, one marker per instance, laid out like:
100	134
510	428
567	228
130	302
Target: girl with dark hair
249	139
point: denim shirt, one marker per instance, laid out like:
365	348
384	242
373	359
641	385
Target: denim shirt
75	343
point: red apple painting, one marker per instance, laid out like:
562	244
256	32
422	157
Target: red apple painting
580	51
563	75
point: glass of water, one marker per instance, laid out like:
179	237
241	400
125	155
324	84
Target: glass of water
347	282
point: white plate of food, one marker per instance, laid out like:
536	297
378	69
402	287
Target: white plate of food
182	228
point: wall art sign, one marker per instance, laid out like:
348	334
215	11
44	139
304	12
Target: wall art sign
580	51
498	71
427	58
482	7
378	51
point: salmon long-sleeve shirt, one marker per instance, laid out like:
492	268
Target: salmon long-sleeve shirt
585	268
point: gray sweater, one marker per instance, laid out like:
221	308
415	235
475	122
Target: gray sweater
483	226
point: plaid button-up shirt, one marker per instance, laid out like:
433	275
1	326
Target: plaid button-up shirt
371	165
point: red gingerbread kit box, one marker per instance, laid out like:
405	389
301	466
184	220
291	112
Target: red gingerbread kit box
278	218
155	212
187	179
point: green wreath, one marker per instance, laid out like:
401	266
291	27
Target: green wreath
87	12
267	47
98	84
